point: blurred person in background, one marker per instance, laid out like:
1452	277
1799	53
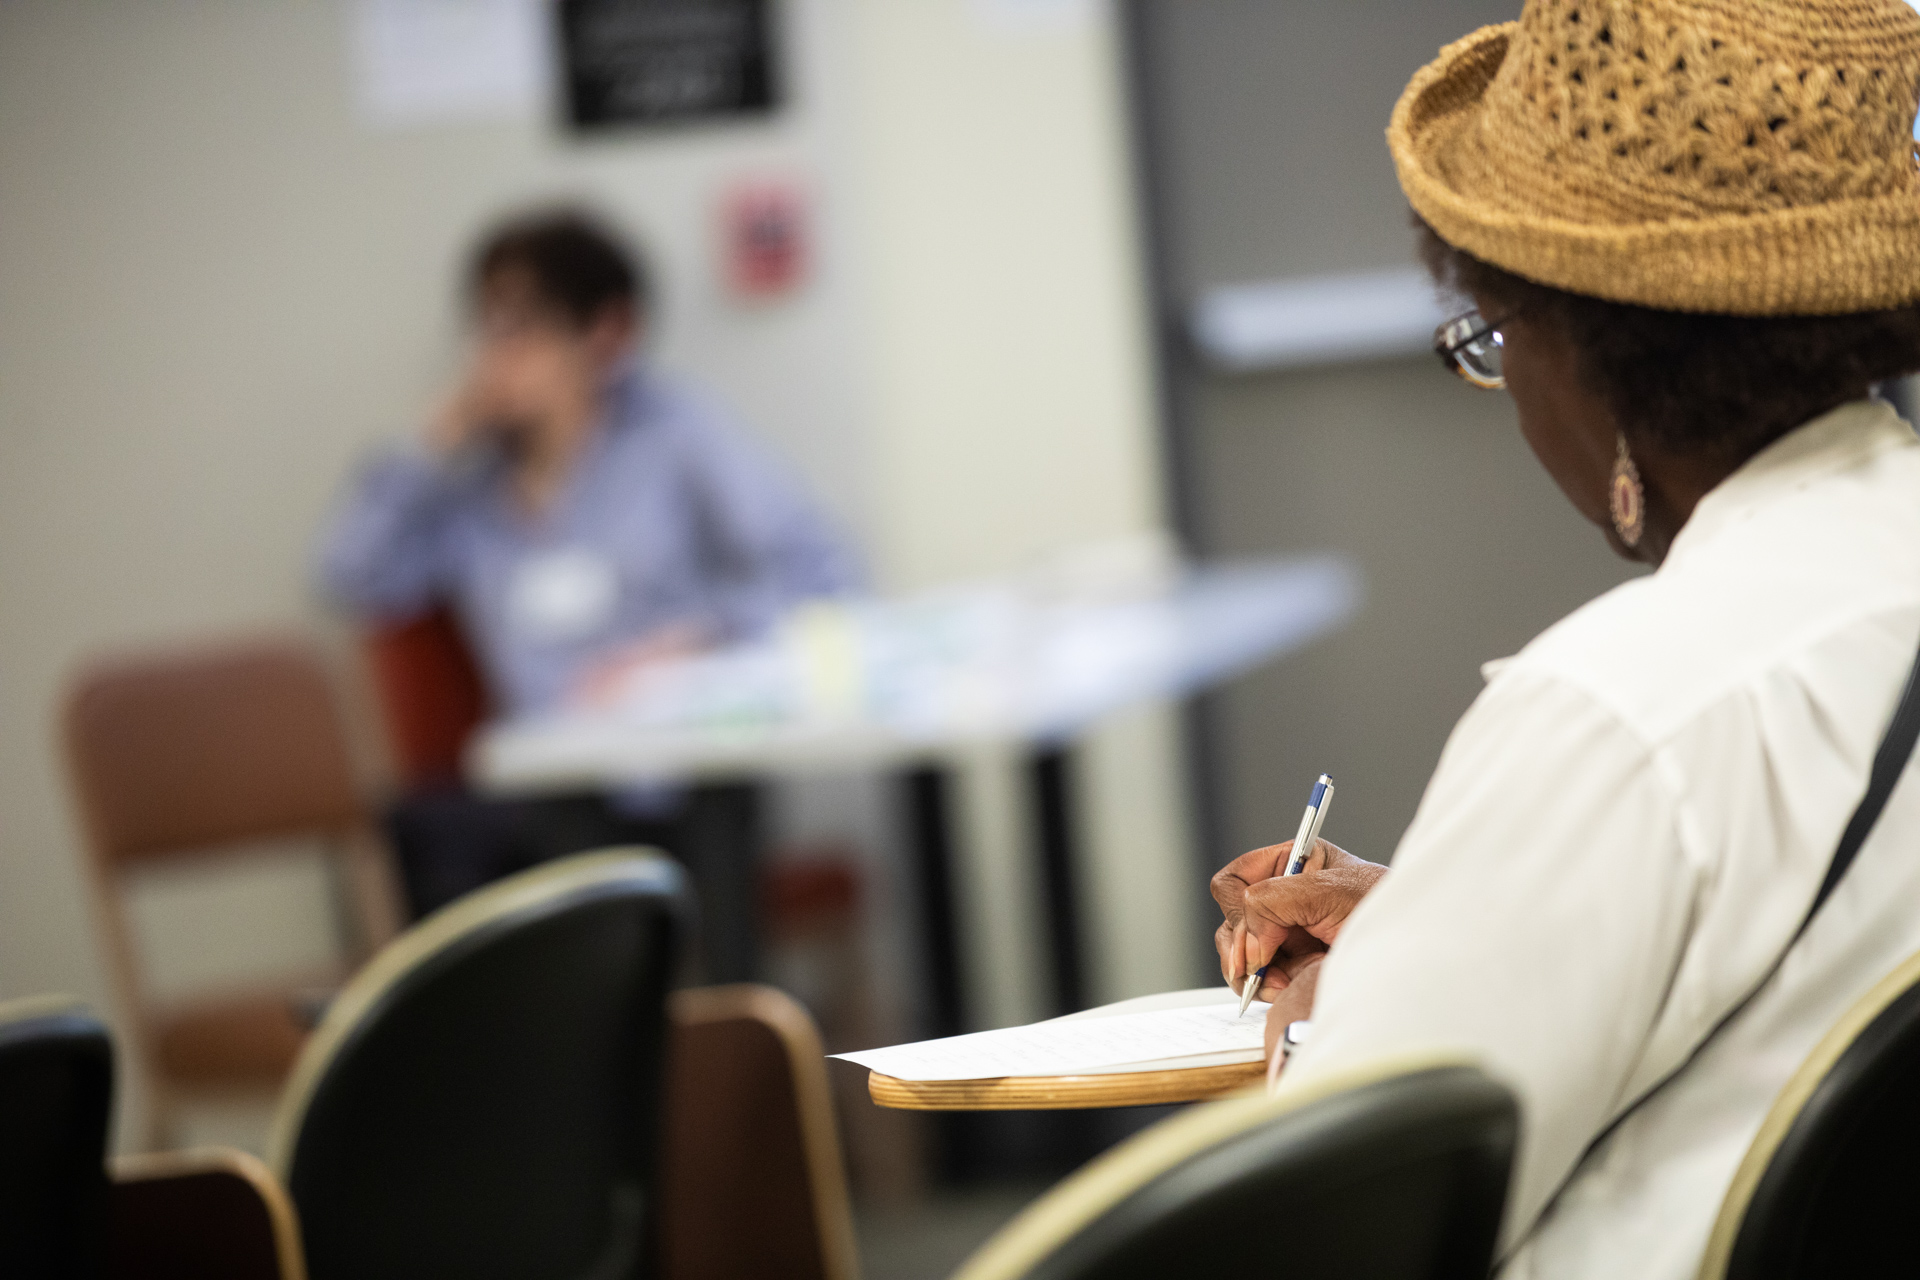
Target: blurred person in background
583	516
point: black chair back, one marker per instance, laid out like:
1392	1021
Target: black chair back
56	1095
483	1099
1831	1185
1397	1175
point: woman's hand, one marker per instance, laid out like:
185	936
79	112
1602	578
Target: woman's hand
1290	920
1295	1004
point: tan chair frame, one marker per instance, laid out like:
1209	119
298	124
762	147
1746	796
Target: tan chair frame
179	1164
813	1098
366	874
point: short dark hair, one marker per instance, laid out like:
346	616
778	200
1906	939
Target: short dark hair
576	263
1715	386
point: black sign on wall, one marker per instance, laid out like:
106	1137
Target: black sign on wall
645	61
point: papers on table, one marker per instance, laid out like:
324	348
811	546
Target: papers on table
858	683
1100	1042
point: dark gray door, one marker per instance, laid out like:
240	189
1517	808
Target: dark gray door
1261	125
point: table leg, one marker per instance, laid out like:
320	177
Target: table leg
972	1146
929	810
927	795
721	833
1055	837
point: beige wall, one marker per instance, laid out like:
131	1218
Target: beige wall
1010	354
1012	379
218	286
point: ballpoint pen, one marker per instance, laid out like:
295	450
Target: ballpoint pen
1316	813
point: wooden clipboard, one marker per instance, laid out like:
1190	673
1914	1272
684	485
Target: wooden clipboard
1064	1093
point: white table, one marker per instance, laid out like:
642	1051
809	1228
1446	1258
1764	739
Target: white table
887	683
909	684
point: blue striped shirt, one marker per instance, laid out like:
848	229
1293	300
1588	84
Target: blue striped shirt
671	516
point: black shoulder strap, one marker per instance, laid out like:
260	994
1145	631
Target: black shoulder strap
1889	762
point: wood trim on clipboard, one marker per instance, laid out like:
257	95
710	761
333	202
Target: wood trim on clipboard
1064	1093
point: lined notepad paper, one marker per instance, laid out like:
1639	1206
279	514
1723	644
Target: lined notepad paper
1203	1029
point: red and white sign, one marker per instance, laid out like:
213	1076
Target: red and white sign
764	237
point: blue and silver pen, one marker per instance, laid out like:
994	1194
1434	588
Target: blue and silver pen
1316	813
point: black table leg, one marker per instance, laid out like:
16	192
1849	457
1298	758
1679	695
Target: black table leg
997	1145
1053	825
928	802
721	833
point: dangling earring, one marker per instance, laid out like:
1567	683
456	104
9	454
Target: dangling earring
1627	499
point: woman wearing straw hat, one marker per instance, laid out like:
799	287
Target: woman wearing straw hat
1691	233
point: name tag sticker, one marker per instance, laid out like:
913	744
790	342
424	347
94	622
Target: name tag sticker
568	594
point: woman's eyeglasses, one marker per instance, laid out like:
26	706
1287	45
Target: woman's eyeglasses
1471	347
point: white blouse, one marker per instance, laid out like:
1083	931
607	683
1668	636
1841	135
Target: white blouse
1625	829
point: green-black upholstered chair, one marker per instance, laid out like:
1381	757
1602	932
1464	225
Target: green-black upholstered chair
1831	1184
211	1214
482	1100
1395	1173
56	1098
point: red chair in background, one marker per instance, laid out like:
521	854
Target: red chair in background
432	699
431	695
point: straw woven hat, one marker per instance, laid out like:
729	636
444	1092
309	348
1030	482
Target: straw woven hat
1749	157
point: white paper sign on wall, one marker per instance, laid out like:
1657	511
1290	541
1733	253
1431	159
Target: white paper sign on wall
442	61
1034	16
